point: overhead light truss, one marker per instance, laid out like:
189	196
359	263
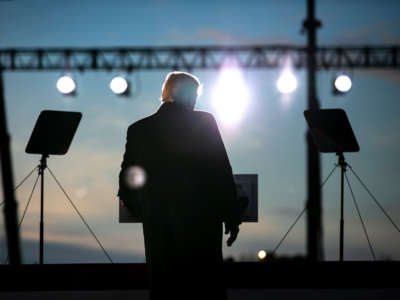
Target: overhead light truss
189	58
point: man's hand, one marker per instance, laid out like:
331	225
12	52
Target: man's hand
233	231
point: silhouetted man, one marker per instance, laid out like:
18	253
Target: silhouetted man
177	178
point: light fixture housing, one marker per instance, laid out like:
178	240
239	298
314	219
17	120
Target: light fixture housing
287	82
66	85
341	84
120	86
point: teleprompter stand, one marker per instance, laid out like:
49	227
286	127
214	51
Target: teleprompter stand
52	135
332	133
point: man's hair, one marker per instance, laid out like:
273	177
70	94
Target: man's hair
180	87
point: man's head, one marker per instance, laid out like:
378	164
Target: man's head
182	88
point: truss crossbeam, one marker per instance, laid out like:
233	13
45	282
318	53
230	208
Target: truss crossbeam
189	58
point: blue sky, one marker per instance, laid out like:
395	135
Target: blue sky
269	140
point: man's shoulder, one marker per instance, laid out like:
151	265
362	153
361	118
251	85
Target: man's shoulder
205	119
197	116
140	124
204	115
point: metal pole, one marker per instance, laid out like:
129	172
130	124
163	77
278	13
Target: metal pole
10	205
314	209
343	166
43	165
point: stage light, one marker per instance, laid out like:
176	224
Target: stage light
66	85
342	84
287	82
262	254
230	95
119	85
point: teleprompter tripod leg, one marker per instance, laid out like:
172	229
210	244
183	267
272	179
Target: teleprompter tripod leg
22	182
299	216
80	215
26	209
375	200
371	249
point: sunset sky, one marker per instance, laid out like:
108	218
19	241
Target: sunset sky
268	140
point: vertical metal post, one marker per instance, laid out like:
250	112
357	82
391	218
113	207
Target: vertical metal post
43	166
10	205
343	167
314	207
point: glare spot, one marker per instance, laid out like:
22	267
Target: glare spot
66	84
118	85
135	177
81	192
287	82
343	83
200	90
262	254
230	95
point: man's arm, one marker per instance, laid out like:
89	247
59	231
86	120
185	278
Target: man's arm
128	195
231	212
127	161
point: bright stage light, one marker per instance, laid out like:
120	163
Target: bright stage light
262	254
230	95
66	85
287	82
119	85
343	83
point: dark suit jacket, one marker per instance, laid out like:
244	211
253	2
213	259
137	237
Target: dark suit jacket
189	190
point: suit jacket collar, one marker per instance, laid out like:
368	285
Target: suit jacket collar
172	107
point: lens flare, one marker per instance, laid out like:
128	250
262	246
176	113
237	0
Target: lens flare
200	90
135	177
230	95
343	83
66	85
81	192
262	254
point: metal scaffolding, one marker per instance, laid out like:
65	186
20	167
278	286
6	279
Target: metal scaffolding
189	58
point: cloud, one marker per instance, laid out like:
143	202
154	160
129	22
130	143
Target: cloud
81	192
287	211
384	140
387	75
381	34
213	34
378	33
66	253
222	37
387	137
208	35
